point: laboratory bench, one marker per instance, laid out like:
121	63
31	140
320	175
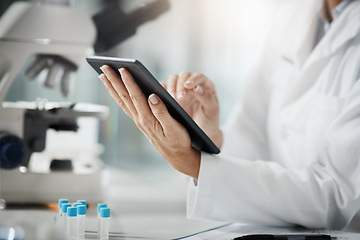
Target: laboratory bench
144	205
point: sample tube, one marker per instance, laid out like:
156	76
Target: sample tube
99	206
64	208
62	221
61	201
81	212
104	223
58	217
71	223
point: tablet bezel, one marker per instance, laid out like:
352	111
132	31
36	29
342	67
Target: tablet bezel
148	84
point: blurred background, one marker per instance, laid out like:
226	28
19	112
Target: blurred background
222	39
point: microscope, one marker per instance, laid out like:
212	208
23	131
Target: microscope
57	46
51	42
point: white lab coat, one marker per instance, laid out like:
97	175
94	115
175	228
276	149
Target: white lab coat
291	152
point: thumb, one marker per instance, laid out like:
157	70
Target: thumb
161	113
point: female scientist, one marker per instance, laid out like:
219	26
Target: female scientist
291	150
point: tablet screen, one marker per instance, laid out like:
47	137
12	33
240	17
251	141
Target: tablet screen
148	85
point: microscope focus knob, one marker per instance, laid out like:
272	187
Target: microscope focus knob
12	151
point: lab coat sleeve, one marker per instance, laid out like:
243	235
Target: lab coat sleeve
325	194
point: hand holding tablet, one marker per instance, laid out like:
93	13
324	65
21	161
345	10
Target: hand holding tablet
148	85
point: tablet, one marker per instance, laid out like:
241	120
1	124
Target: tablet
148	84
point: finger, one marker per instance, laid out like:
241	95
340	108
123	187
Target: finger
120	88
114	94
198	79
161	113
136	95
203	88
180	89
145	119
171	85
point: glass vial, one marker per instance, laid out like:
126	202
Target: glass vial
81	211
104	223
99	206
71	223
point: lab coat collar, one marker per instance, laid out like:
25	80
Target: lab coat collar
336	12
341	31
345	28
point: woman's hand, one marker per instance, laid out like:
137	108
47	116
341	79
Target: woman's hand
197	95
168	136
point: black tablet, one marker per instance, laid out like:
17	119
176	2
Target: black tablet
148	84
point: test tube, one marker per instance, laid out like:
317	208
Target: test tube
61	201
71	223
104	223
81	211
99	206
64	208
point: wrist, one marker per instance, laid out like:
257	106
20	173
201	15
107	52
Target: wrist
188	163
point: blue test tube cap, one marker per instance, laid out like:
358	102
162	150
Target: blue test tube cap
101	205
72	211
64	207
105	212
83	202
77	204
81	210
62	200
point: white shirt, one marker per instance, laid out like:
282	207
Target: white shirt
324	23
291	151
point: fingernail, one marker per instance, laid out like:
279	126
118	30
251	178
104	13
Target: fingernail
188	82
199	89
101	76
102	68
121	70
154	99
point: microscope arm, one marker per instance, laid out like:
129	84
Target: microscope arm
114	26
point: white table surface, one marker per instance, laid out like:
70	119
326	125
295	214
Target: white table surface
143	205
